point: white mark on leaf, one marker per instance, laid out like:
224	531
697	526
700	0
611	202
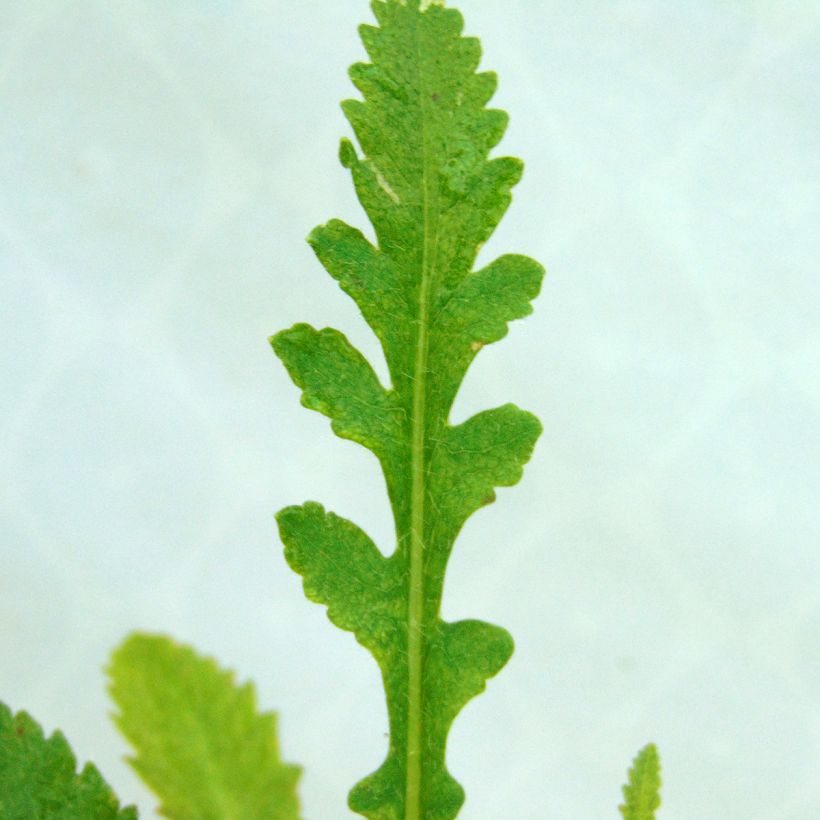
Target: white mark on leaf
385	185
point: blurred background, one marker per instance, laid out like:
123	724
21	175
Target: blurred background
160	165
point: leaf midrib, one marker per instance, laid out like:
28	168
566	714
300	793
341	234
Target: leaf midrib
415	645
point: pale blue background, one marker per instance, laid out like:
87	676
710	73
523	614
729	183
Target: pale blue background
160	164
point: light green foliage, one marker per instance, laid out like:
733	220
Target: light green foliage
433	196
643	791
202	746
39	780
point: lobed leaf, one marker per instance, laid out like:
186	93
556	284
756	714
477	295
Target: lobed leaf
201	744
423	174
642	791
39	779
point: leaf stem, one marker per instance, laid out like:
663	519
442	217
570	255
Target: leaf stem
415	637
415	648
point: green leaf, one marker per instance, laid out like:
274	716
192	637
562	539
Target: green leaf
643	791
424	176
39	780
201	744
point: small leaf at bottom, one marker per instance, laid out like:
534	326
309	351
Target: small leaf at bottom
642	794
201	743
